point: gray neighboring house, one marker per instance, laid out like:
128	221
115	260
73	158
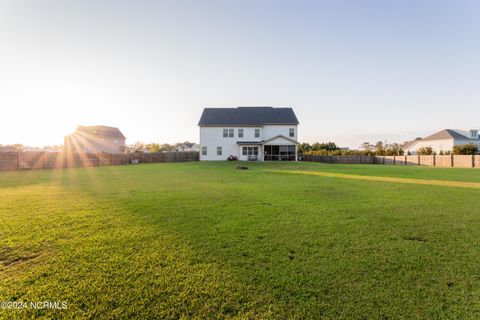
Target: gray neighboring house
95	139
443	140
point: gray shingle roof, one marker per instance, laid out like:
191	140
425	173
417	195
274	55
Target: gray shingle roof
408	144
247	116
446	134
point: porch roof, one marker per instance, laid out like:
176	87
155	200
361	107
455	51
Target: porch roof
249	142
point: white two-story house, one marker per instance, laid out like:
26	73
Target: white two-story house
249	133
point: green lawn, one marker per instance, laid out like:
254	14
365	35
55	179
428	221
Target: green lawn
204	240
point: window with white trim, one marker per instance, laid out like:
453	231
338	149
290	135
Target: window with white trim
228	133
257	133
291	132
204	151
240	133
250	151
219	151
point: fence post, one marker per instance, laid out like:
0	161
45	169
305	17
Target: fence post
18	160
111	159
452	160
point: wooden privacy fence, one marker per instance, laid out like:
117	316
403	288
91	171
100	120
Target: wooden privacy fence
339	159
50	160
456	161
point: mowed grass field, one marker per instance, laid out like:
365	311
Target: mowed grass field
280	240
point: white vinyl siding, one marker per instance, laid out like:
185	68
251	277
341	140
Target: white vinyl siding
212	137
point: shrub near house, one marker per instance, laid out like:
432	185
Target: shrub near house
425	151
466	149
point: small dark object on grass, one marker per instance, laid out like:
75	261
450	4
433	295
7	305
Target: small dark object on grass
232	158
242	168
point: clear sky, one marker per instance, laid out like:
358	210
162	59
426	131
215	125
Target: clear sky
353	71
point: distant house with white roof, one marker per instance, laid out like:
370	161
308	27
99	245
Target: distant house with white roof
443	140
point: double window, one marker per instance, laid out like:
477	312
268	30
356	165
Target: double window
228	133
257	133
219	151
291	132
250	151
240	133
204	151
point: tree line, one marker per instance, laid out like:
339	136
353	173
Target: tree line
461	149
140	147
379	149
21	147
137	147
366	149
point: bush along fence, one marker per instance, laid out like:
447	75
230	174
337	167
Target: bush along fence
50	160
456	161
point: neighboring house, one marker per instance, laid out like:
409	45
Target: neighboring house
95	139
186	147
443	140
249	133
195	147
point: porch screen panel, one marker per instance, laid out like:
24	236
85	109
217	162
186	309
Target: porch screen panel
279	153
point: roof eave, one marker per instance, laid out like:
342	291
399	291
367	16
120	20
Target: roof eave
248	125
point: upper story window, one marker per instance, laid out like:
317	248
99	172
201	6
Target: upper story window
240	133
204	151
291	132
228	133
257	133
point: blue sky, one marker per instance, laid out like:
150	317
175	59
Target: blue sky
353	71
